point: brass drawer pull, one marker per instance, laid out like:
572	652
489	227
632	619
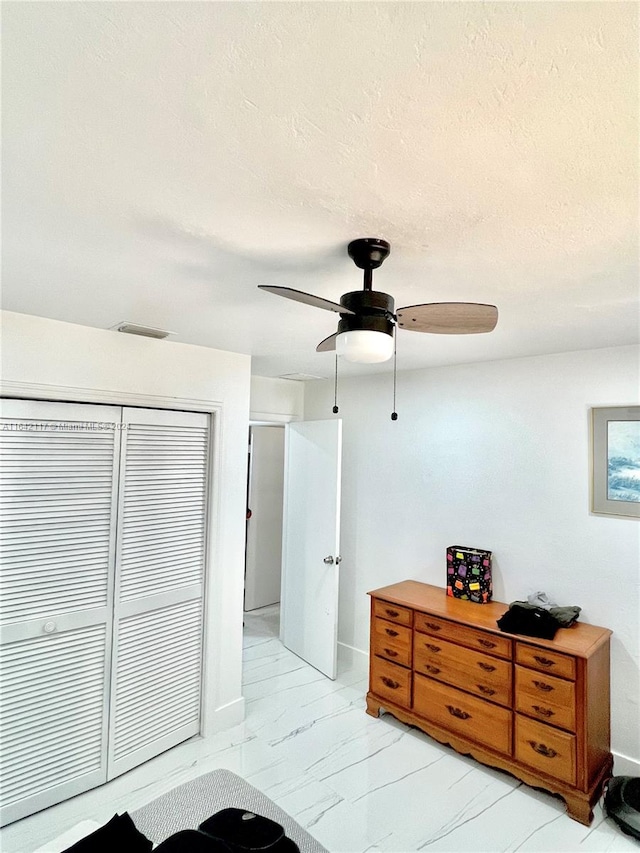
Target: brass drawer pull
392	613
432	626
486	666
541	749
544	712
389	682
543	661
390	632
546	688
434	670
456	712
432	648
488	691
391	653
487	644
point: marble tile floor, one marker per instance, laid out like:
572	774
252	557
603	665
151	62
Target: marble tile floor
355	783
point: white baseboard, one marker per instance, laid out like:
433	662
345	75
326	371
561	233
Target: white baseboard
351	658
625	766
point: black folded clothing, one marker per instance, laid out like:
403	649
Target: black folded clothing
245	831
119	833
227	831
192	841
522	618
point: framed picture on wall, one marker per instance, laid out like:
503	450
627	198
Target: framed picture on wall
615	442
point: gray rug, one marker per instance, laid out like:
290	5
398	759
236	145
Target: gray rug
188	805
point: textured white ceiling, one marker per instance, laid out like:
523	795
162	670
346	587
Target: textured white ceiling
160	160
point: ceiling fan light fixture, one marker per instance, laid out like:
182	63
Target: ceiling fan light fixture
365	346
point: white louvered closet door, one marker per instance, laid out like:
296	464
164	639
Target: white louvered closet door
58	495
157	673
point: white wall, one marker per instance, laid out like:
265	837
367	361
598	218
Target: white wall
53	360
262	579
276	400
493	455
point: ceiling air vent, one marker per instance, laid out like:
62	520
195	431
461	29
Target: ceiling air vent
144	331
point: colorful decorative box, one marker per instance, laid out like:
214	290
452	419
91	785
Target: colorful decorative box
469	574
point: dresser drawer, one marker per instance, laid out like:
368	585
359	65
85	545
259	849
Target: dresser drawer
547	749
458	712
547	661
393	612
396	649
390	632
472	638
546	698
473	671
390	681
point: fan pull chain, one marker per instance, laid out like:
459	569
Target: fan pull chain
394	414
335	391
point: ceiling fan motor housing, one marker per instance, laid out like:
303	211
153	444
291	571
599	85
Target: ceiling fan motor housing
373	312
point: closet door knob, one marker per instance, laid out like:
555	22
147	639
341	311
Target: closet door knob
49	627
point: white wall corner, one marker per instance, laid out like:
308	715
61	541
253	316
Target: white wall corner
625	766
350	658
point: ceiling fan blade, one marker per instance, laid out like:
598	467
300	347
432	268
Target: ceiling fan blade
307	298
328	344
449	318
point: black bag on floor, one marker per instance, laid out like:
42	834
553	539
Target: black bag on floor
622	803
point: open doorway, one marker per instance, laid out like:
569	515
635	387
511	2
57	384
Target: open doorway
263	558
293	539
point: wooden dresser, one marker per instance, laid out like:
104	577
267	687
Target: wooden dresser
536	708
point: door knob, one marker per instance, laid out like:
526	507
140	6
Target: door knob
328	561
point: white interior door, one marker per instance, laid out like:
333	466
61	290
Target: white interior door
264	528
160	558
311	542
58	492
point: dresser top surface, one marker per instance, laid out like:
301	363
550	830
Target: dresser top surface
580	639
